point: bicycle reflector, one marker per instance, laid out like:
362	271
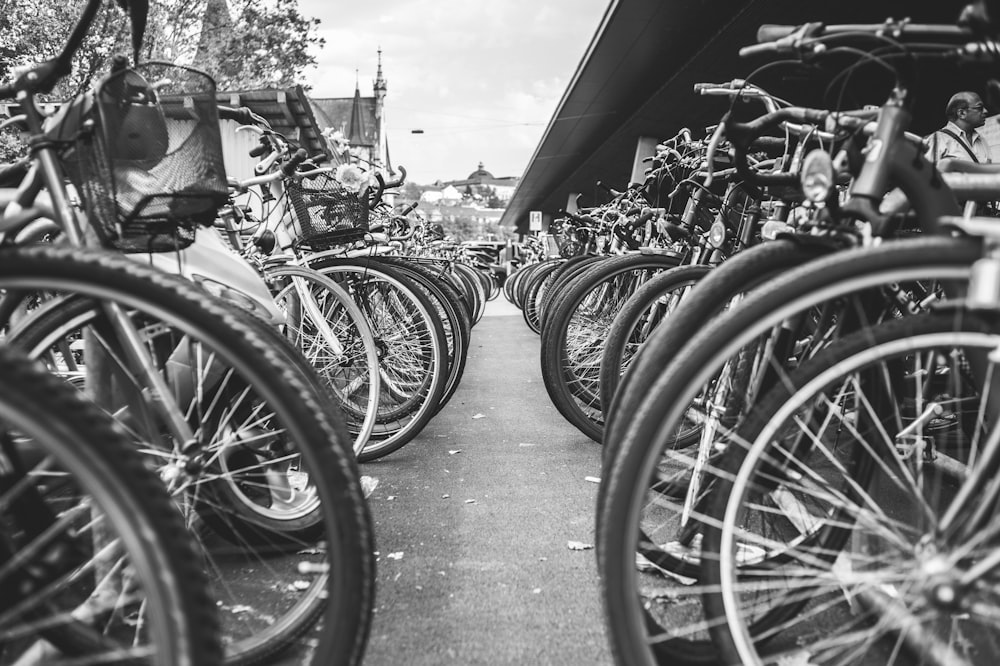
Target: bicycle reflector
817	175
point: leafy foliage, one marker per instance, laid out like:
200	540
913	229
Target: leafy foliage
264	47
244	44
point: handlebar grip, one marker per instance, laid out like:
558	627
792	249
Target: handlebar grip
262	148
610	190
409	209
770	32
376	198
768	142
289	167
399	181
242	115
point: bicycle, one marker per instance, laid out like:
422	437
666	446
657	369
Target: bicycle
217	401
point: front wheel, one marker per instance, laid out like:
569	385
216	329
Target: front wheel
905	568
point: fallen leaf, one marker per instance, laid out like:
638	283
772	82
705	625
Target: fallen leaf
306	568
395	556
578	545
800	658
368	485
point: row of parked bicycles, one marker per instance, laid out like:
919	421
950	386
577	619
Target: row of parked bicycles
192	368
791	376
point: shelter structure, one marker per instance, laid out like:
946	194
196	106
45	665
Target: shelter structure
634	87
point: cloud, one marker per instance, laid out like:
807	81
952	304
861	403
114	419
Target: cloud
481	79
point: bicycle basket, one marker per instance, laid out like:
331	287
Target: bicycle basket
151	170
326	213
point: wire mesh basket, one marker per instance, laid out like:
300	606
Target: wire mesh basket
148	165
326	213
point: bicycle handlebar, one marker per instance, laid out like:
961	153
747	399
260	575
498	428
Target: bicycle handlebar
243	115
289	167
787	38
399	181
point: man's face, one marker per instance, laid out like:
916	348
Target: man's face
975	113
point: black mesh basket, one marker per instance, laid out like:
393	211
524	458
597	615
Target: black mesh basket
151	170
326	213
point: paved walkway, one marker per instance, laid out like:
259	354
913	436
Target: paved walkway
475	518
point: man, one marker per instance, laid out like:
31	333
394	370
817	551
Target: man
959	139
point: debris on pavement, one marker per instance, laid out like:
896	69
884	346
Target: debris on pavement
592	479
479	416
395	556
579	545
454	451
368	485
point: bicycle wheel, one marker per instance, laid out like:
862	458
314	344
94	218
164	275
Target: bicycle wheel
534	289
94	556
268	483
413	361
651	304
651	617
714	292
452	310
905	572
575	331
327	326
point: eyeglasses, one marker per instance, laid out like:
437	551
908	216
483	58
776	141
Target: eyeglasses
977	107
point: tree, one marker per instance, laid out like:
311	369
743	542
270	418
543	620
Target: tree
258	45
244	44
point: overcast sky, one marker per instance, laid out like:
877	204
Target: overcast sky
481	79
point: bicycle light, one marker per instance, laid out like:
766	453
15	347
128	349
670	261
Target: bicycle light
817	175
717	234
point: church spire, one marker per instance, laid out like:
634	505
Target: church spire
356	128
380	82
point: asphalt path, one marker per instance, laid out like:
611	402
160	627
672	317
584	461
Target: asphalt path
485	522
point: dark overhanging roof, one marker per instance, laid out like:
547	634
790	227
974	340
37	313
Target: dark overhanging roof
637	76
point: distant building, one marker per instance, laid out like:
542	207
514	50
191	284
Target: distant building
481	181
357	123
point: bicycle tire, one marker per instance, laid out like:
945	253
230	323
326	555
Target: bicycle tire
339	598
743	271
570	374
84	465
868	388
350	368
452	310
636	321
414	350
635	636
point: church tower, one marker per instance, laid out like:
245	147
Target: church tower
381	141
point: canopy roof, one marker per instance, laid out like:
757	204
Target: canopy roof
636	80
